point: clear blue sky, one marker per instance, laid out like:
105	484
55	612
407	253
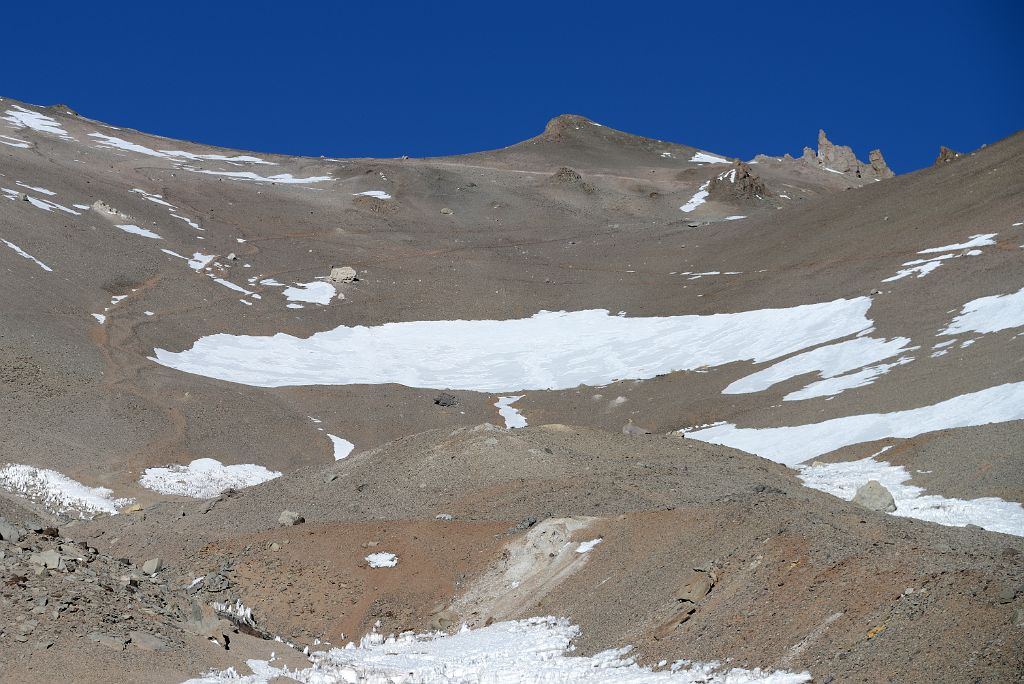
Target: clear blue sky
429	78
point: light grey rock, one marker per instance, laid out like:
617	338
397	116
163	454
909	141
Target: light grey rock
9	532
112	642
447	212
50	559
153	566
288	518
343	274
874	496
631	430
146	642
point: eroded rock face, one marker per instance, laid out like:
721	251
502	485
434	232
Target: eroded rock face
841	159
738	183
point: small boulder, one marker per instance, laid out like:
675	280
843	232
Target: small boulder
289	518
48	559
446	399
153	566
9	532
874	496
447	212
631	430
343	274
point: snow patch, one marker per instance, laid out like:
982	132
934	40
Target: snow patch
204	478
26	118
698	198
342	447
843	480
284	178
989	314
513	418
19	251
316	292
974	241
135	230
379	194
519	651
790	445
704	158
58	493
586	546
382	559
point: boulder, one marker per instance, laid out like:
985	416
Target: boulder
9	532
343	274
112	642
874	496
153	566
289	518
946	155
631	430
50	559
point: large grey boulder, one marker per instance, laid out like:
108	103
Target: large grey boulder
289	518
874	496
9	532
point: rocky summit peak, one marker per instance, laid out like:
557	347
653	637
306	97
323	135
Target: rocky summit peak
841	159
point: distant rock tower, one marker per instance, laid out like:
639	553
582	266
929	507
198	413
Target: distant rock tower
840	158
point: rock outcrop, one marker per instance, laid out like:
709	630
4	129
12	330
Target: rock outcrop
946	155
738	183
841	159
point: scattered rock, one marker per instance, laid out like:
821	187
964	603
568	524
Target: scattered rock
874	496
288	518
153	566
343	274
446	399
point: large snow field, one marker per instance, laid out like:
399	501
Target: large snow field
550	350
518	651
204	478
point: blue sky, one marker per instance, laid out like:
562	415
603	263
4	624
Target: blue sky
418	78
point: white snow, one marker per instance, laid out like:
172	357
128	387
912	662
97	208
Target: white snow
704	158
586	546
204	478
187	220
43	191
550	350
18	250
526	651
198	262
921	267
47	205
843	480
790	445
975	241
989	314
382	559
15	142
513	418
26	118
271	282
100	318
698	198
57	492
135	230
831	386
237	288
832	170
157	199
733	218
829	362
342	447
284	178
316	292
379	194
118	143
